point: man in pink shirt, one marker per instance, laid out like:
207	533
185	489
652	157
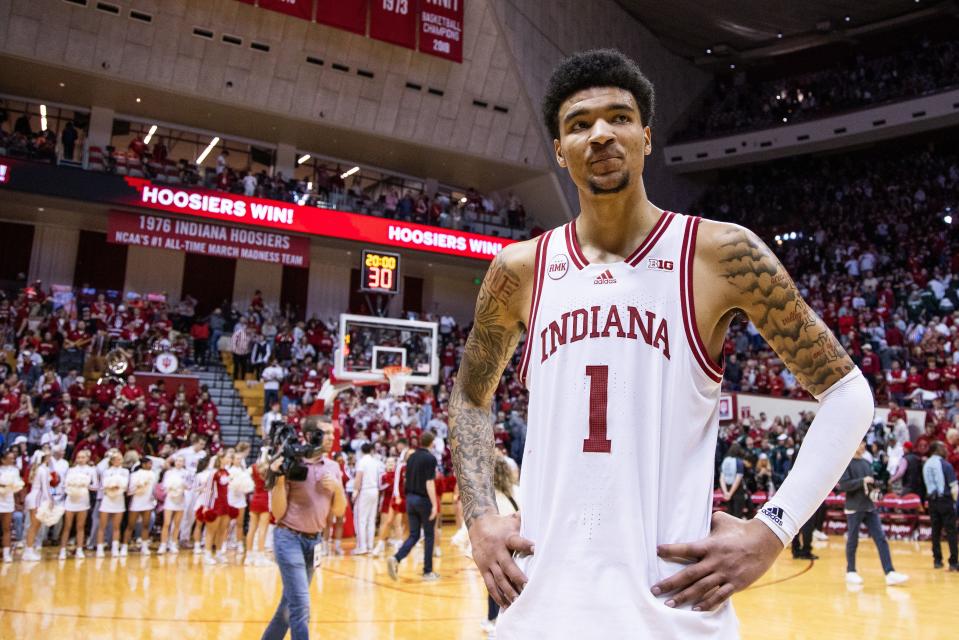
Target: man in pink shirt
301	508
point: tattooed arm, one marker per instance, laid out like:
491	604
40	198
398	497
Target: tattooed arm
501	309
734	271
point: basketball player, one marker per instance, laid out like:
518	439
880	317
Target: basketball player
625	310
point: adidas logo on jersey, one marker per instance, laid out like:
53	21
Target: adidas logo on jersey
605	277
658	264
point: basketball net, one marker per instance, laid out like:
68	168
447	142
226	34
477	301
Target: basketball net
397	376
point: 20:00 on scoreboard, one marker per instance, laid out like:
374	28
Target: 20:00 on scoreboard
380	272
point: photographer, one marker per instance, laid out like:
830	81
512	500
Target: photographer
858	481
305	488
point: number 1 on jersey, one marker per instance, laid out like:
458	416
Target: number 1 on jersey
598	395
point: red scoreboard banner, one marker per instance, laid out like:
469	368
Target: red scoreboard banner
160	232
441	28
293	218
349	15
297	8
394	21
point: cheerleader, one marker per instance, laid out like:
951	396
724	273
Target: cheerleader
142	504
217	510
259	512
10	484
80	480
390	507
114	484
241	484
40	493
174	487
201	490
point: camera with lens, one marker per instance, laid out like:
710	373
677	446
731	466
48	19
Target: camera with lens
286	442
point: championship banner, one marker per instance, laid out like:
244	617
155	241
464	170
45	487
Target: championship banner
297	8
441	28
160	232
247	1
394	21
288	217
349	15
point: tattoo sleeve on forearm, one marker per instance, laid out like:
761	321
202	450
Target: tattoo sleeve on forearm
771	300
489	347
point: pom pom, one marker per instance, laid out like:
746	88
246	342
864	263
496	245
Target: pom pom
241	481
142	482
10	482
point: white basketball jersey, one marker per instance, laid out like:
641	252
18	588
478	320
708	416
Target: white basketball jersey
620	444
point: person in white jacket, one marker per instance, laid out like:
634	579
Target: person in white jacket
142	504
80	480
113	487
175	486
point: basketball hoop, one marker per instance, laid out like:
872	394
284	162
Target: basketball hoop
397	377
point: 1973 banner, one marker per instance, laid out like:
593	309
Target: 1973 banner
394	21
191	236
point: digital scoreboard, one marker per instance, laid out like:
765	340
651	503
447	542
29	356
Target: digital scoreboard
380	272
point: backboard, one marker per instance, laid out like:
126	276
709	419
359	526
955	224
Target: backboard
367	344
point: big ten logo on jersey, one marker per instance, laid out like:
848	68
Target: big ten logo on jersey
558	266
401	7
658	264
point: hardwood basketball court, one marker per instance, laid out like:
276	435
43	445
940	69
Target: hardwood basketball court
162	597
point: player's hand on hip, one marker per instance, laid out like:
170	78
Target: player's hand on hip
735	554
494	538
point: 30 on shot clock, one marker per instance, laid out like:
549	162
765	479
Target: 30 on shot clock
380	272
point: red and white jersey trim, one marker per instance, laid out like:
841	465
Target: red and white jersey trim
709	366
542	245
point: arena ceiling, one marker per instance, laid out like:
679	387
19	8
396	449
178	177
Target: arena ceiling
748	29
44	82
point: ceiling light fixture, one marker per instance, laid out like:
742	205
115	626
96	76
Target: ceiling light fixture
149	137
303	158
43	117
708	51
779	35
62	85
215	141
346	175
732	65
847	18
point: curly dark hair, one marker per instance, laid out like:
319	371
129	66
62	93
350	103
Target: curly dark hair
596	68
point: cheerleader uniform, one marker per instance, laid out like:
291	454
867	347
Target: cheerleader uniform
260	502
115	503
40	489
221	494
202	489
170	478
7	500
236	499
87	475
387	492
144	501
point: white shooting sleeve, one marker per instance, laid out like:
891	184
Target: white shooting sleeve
845	413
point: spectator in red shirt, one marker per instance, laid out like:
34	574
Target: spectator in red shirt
896	383
130	391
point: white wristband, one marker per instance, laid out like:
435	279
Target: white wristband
845	414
